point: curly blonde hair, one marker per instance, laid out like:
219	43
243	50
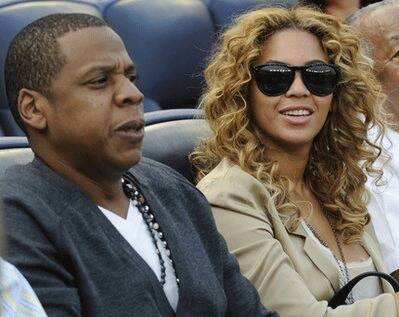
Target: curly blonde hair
341	153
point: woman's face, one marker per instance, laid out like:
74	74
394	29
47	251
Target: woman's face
293	119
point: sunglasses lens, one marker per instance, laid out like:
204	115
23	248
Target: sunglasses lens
273	80
320	79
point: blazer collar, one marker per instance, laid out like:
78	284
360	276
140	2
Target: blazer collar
316	254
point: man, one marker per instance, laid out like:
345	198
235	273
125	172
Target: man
378	25
90	237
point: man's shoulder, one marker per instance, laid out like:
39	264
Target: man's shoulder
34	182
18	177
166	182
154	171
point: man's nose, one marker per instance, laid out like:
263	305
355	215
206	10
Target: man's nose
128	94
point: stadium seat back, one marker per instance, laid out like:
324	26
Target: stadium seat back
168	41
171	139
170	136
224	11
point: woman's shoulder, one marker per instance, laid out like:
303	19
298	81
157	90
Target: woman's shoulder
227	173
228	185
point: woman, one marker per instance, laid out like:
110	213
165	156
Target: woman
290	99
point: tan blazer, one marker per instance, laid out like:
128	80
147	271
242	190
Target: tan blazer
293	276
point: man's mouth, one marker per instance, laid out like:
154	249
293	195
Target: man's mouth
133	125
133	131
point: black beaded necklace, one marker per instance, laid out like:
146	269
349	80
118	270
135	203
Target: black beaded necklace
138	200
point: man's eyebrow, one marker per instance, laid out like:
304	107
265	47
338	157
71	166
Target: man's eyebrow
394	37
131	68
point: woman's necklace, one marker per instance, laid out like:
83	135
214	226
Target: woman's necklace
343	274
138	200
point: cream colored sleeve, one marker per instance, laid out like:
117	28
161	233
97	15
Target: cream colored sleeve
238	208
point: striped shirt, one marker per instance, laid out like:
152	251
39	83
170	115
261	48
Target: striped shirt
17	298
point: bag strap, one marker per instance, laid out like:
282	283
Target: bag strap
340	297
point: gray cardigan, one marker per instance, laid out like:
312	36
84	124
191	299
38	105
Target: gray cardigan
79	264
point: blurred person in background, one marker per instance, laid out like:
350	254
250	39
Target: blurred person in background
290	100
339	8
378	26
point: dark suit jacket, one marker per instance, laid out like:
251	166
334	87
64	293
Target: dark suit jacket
79	264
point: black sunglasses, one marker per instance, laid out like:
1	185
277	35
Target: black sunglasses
274	79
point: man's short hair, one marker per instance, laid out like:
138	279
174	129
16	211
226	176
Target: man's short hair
367	45
34	57
354	18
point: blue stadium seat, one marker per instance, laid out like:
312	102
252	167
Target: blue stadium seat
14	15
223	11
168	41
100	4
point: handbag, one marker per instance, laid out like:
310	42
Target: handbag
340	296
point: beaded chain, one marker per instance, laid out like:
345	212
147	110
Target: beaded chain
138	200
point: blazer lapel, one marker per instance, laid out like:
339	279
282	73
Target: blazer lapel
323	263
315	253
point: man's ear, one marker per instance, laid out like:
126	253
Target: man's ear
32	107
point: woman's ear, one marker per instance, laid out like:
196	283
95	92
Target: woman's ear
32	107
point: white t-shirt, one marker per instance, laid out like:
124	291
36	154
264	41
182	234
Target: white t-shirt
135	232
384	205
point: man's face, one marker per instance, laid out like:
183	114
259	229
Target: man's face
95	118
381	27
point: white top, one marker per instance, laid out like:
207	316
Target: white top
384	205
135	231
368	287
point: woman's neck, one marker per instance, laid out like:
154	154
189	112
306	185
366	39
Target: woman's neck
292	164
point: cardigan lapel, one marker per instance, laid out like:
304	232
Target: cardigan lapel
80	203
169	230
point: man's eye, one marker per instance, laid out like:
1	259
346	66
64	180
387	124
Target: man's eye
132	77
99	81
395	56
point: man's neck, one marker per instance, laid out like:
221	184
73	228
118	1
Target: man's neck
104	189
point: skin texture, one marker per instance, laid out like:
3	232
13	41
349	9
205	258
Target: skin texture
289	143
76	129
381	29
342	8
